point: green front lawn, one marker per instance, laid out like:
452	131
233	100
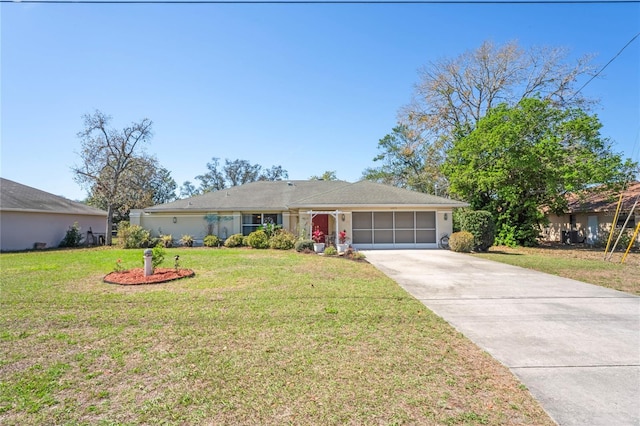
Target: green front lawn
256	337
578	263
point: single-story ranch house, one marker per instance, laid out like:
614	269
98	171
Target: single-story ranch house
372	214
589	218
32	218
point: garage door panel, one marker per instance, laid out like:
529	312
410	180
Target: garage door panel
425	220
405	237
428	236
404	220
394	229
383	236
362	237
362	220
383	220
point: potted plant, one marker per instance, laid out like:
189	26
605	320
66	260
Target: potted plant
318	240
342	241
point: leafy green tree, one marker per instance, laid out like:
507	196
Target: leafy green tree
327	175
454	94
144	184
523	159
274	173
408	161
188	189
213	179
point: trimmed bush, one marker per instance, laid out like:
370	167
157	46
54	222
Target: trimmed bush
282	240
481	225
133	236
236	240
258	240
303	245
211	241
461	242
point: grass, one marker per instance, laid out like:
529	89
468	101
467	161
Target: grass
575	262
256	337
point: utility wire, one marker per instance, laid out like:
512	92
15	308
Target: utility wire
447	2
606	65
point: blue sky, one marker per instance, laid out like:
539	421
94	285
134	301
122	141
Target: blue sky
308	87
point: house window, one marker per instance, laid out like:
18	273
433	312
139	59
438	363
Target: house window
622	217
252	221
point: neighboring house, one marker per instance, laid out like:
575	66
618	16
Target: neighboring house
590	215
373	215
29	216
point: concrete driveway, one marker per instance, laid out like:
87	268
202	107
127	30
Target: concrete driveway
575	346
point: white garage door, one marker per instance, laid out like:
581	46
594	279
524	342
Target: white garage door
394	230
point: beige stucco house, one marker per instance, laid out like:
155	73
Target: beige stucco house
590	215
29	216
372	214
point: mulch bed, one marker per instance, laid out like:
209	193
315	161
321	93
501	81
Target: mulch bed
136	276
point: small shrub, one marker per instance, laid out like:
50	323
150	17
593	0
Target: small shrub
236	240
331	251
302	245
73	237
480	223
186	240
258	240
461	242
211	241
358	256
132	236
166	240
282	240
158	255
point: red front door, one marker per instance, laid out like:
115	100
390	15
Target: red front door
322	222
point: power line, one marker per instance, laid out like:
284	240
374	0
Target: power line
445	2
606	65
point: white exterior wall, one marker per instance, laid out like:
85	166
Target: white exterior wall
20	230
297	222
193	224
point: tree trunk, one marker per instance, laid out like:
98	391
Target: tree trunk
107	235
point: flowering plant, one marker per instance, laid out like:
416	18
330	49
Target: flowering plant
317	235
342	237
118	267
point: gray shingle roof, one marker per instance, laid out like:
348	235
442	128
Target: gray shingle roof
17	197
282	195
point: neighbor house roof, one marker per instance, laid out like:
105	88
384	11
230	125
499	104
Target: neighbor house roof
598	200
282	195
21	198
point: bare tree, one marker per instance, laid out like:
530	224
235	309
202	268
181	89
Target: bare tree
454	94
109	160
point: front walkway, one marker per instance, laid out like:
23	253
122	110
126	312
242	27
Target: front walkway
575	346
